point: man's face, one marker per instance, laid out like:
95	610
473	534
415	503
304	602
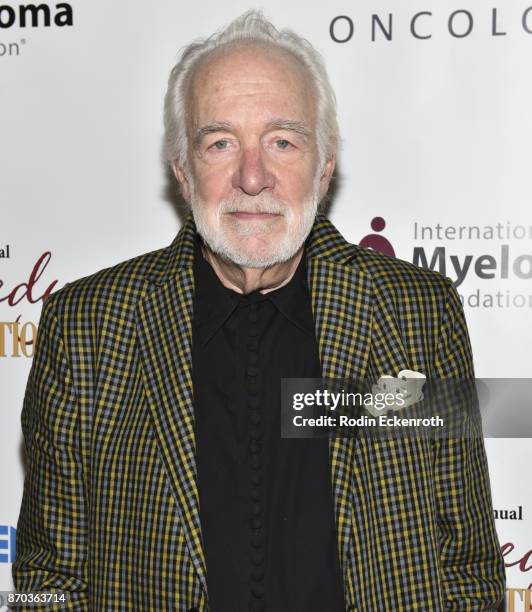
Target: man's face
254	181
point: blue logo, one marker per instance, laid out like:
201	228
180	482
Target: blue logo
7	543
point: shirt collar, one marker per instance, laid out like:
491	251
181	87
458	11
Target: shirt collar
214	302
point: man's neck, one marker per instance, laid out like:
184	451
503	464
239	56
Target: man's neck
245	280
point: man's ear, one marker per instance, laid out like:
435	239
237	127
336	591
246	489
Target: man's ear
326	176
182	180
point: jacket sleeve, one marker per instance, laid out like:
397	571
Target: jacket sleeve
471	561
51	539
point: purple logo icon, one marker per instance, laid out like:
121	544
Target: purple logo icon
376	241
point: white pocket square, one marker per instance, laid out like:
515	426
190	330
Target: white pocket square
401	391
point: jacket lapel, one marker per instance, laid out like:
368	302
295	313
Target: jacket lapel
164	328
342	305
342	302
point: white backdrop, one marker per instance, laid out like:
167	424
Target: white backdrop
436	131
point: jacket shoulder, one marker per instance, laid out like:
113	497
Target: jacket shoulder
117	287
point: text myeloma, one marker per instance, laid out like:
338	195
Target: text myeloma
36	15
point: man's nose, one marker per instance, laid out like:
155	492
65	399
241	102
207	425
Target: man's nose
252	176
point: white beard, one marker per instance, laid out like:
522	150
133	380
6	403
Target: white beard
227	235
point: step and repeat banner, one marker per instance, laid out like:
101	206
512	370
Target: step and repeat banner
434	102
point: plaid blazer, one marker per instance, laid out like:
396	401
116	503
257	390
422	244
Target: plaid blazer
110	507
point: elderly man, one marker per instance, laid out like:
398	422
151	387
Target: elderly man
157	477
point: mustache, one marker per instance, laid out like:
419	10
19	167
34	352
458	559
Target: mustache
266	204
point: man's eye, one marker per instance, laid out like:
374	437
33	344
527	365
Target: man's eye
283	144
220	145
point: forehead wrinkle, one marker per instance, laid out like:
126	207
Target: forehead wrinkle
237	66
249	66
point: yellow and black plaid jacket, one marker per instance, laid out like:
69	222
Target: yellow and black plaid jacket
110	505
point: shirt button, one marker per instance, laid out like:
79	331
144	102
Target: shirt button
255	494
257	540
256	523
256	462
256	606
253	402
257	574
253	316
254	417
258	590
253	331
253	358
257	558
252	370
256	479
254	446
252	345
255	433
256	509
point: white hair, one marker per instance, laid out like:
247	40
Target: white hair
250	28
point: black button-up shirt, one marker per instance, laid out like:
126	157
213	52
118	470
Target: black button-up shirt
266	503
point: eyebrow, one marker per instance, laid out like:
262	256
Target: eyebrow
224	126
210	128
287	124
